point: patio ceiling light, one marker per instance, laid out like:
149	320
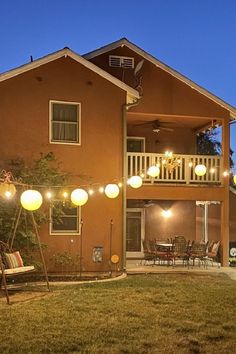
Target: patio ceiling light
153	171
31	200
200	170
135	181
79	197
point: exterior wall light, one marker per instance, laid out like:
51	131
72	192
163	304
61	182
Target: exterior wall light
79	197
166	213
200	170
135	181
31	200
153	171
112	190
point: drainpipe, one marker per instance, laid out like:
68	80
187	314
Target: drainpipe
126	107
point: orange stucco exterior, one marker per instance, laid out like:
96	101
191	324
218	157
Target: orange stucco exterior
99	159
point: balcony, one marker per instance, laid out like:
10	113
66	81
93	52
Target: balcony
178	169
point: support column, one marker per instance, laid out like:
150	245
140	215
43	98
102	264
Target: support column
225	202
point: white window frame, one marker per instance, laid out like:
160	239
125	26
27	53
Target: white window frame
65	232
78	104
141	138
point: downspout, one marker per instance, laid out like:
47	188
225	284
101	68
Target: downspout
126	107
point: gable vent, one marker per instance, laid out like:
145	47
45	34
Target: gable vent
121	62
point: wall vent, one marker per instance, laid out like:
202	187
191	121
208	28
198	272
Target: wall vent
121	62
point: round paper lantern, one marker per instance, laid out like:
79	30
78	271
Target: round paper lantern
153	171
200	170
234	179
7	190
112	190
31	200
135	181
79	197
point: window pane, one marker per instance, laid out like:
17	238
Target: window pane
66	224
64	112
64	218
65	132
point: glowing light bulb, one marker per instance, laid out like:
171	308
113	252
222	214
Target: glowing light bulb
90	191
48	195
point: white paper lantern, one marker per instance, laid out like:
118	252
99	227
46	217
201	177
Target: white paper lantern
112	190
79	197
31	200
234	179
135	181
200	170
153	171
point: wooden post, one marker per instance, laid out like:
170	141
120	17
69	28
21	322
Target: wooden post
40	249
225	202
111	230
4	282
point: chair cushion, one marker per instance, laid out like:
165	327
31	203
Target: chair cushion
13	260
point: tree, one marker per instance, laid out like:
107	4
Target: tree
44	172
208	144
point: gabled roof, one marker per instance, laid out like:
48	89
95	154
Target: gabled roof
124	42
66	52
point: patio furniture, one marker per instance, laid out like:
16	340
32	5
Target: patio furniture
164	252
212	254
149	254
180	250
198	252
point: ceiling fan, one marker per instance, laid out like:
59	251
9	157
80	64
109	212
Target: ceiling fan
157	125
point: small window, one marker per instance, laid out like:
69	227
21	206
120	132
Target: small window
135	144
64	219
64	122
121	62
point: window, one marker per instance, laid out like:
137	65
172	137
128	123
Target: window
135	144
64	219
64	122
121	62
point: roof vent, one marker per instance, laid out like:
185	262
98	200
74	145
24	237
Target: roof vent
121	62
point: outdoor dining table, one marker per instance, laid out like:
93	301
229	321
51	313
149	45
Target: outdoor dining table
166	247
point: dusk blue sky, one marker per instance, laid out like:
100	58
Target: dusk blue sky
195	37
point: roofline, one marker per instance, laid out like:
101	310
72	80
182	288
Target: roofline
64	53
168	69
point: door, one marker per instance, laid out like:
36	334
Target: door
134	232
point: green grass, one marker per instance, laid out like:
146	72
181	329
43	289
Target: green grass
140	314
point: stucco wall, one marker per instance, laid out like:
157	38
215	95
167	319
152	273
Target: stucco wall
24	115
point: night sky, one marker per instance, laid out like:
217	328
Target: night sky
197	38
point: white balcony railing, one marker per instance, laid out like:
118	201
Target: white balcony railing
179	170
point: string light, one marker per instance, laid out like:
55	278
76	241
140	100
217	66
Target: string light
48	195
101	189
90	191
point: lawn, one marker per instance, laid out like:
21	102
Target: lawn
140	314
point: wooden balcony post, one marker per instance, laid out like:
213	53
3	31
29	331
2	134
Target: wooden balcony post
225	202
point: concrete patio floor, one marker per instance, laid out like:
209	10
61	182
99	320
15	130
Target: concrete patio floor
135	267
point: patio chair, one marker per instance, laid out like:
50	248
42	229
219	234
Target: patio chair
212	254
149	255
180	249
198	252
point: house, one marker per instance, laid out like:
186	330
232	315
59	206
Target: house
110	115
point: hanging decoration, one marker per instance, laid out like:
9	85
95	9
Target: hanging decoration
153	171
112	190
200	170
7	188
31	200
135	182
79	197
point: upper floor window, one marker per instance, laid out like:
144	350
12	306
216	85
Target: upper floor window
64	122
121	62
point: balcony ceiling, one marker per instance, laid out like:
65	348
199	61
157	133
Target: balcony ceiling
196	123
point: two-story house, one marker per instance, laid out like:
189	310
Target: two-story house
115	113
